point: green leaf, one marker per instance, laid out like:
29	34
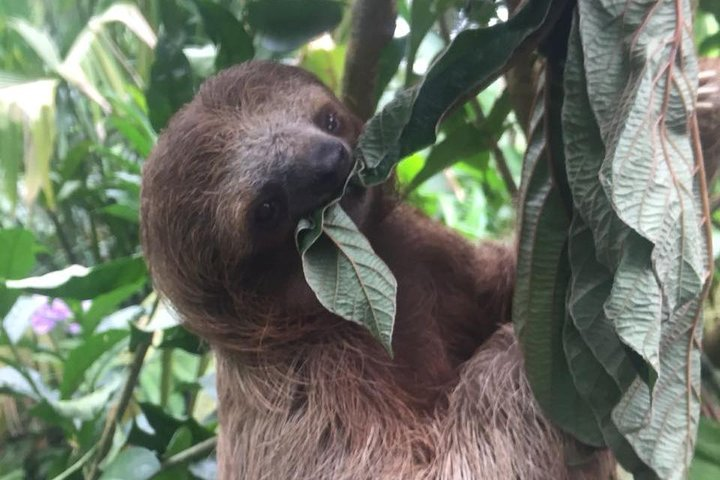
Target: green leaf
39	41
390	58
17	253
133	462
123	212
179	337
17	258
107	303
235	45
284	25
460	144
346	275
84	356
181	440
539	303
632	173
706	463
87	406
475	58
171	82
81	283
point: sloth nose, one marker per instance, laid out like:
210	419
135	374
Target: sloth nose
330	164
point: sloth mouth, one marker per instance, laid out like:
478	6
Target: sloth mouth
347	195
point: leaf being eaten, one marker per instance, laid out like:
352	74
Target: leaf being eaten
348	278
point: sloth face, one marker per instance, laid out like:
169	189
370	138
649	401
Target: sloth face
260	146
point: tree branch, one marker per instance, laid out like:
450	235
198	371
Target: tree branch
195	452
372	27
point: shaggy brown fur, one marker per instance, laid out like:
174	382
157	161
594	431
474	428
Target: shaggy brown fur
303	394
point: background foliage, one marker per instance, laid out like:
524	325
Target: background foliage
96	377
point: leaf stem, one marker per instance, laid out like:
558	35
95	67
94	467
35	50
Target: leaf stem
195	452
165	377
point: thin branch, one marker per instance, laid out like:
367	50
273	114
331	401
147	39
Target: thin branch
500	159
372	27
64	242
195	452
125	397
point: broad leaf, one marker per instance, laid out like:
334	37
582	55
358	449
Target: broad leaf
640	258
349	279
234	44
543	273
81	283
475	58
284	25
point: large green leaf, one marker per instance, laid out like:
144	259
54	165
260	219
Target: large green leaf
283	25
475	58
543	273
346	275
81	283
641	263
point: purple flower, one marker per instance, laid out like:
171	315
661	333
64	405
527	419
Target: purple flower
73	328
47	315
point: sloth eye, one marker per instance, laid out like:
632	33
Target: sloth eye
332	123
267	212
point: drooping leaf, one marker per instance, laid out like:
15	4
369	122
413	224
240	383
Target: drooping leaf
475	58
284	25
32	105
349	279
640	278
539	303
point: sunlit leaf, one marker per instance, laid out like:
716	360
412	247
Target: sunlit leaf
82	283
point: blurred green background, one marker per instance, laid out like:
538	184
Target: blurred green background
96	377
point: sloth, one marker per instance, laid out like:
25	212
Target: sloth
302	393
